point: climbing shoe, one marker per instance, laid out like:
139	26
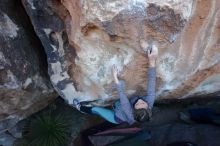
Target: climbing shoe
76	104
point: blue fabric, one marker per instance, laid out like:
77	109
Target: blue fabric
151	87
124	108
105	113
203	115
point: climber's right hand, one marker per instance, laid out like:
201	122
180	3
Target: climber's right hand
115	74
152	54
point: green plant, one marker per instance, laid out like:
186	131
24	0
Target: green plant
48	130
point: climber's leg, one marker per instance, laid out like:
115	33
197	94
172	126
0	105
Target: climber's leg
105	113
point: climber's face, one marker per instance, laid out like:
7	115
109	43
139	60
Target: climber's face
141	104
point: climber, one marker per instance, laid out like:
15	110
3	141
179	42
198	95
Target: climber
137	109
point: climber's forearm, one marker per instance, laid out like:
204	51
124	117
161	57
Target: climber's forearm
125	103
151	87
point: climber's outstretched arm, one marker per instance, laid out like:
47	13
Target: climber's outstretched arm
152	54
124	102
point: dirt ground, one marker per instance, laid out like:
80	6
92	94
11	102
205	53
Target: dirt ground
166	126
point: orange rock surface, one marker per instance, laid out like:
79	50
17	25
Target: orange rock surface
103	33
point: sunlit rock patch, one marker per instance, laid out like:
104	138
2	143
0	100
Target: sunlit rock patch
84	38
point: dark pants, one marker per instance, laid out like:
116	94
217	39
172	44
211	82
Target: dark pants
91	131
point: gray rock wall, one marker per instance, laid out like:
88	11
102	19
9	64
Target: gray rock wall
25	86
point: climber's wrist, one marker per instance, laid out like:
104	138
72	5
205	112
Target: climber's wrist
152	63
116	80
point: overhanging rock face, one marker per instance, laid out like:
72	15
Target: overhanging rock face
84	38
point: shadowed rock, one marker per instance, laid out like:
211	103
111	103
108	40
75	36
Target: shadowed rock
25	87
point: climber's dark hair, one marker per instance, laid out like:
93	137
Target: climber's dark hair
142	115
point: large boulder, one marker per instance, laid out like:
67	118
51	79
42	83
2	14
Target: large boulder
25	86
84	38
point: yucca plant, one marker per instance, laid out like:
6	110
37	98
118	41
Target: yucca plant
48	130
